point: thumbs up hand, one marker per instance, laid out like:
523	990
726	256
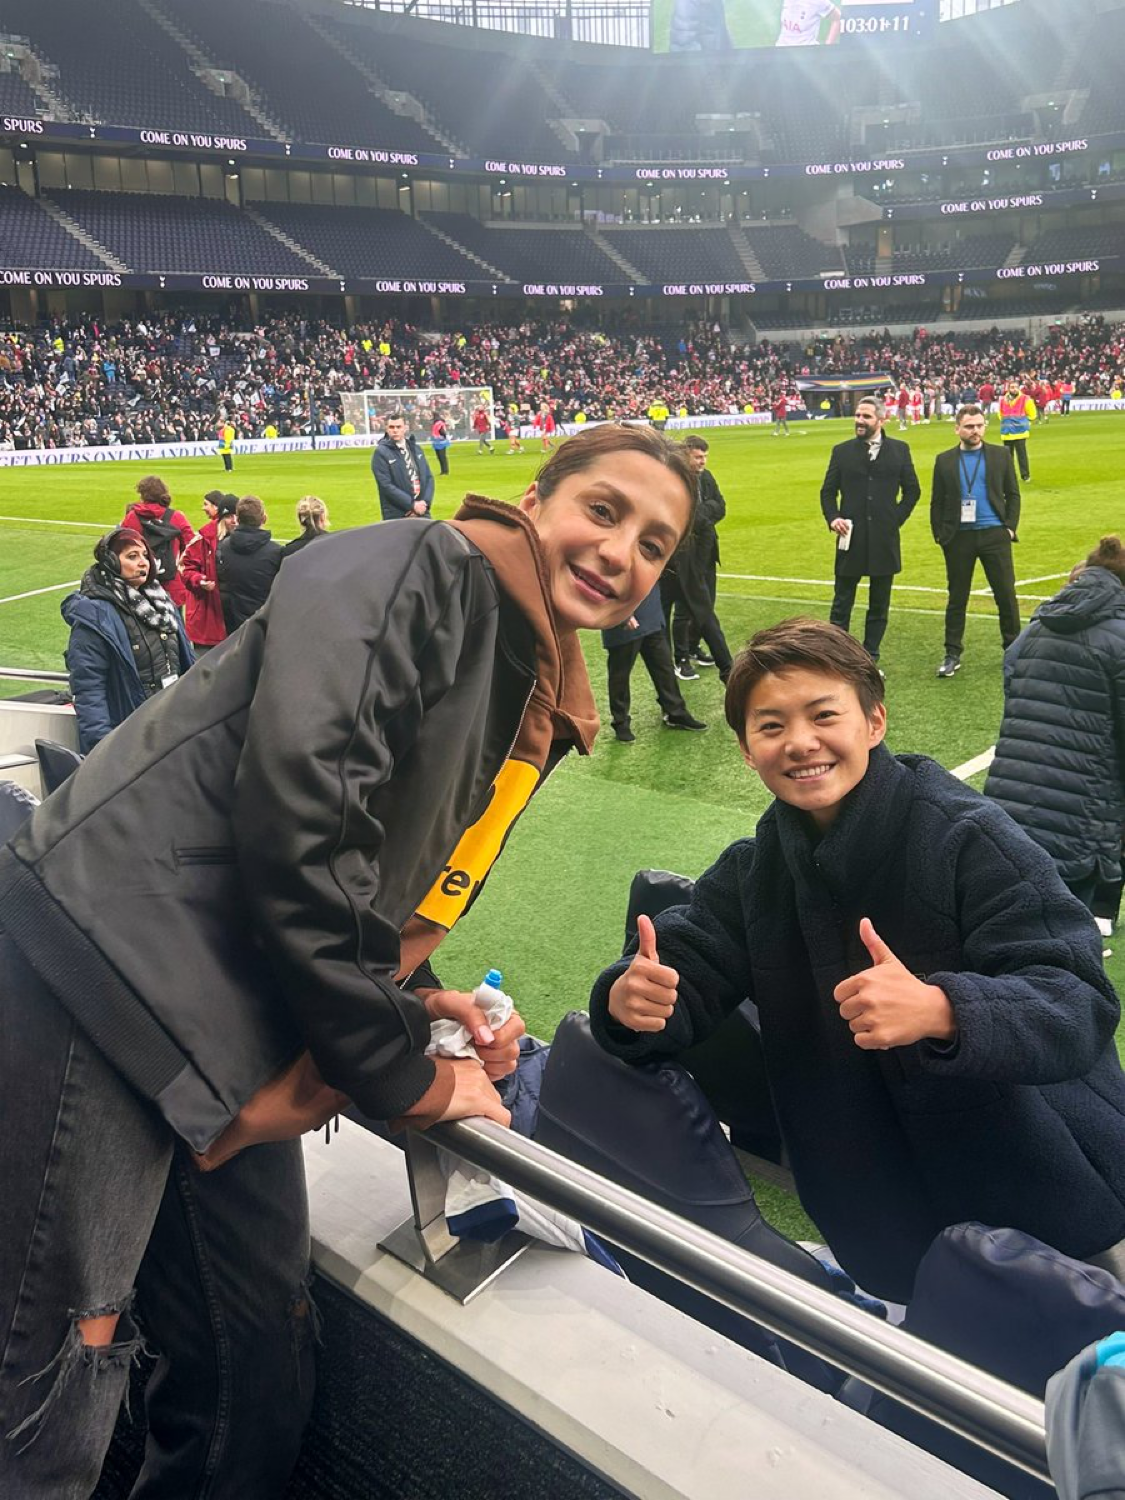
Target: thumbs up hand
645	995
888	1006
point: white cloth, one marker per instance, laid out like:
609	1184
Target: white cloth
479	1206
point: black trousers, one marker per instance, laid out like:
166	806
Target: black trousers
1019	455
878	608
993	546
442	458
657	656
687	590
228	462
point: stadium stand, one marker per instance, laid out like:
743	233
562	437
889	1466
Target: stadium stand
568	255
688	254
15	96
31	239
482	97
785	250
150	232
1077	243
125	70
370	241
302	81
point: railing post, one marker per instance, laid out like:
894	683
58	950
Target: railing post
460	1267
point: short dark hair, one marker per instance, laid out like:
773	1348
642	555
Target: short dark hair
251	512
969	410
801	643
587	447
700	444
397	415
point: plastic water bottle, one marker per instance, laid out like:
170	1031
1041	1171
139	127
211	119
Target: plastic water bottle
492	999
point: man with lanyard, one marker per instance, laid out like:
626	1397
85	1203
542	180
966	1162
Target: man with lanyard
404	478
974	513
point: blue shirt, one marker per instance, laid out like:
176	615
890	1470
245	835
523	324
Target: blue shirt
974	482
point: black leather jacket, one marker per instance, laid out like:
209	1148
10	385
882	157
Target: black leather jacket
224	879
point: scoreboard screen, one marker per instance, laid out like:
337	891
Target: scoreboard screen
726	25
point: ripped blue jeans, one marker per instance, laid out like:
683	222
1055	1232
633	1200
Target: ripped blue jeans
104	1215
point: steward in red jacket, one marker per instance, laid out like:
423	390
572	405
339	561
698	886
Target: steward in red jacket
155	500
203	616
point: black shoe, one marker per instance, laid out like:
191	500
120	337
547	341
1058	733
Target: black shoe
702	659
686	672
950	665
683	721
623	734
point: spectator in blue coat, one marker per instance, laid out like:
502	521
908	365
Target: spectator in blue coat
404	478
127	642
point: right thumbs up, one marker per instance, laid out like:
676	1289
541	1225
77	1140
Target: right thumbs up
645	995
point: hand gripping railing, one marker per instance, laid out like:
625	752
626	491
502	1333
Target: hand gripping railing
969	1402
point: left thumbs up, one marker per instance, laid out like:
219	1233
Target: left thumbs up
887	1006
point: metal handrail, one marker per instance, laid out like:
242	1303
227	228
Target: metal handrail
975	1405
25	674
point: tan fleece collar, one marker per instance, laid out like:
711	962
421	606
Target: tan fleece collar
509	541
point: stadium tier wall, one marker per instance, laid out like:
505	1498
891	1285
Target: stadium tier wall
980	177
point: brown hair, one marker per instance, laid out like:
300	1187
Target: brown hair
693	440
971	410
251	512
801	643
1110	554
586	448
153	491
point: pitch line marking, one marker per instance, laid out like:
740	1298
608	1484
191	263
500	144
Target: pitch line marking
49	521
53	588
978	763
897	609
905	588
1046	578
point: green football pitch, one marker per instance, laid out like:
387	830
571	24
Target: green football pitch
551	915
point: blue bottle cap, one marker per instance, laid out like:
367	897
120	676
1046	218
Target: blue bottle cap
493	978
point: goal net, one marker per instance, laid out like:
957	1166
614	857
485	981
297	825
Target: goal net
367	410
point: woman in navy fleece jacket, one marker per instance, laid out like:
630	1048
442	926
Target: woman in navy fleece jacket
936	1019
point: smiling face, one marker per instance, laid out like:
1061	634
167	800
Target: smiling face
606	533
809	739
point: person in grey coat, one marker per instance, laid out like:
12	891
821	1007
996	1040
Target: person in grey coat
867	496
1059	768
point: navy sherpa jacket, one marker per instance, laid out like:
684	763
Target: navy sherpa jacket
1020	1122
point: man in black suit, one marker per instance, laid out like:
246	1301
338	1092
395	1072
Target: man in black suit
974	513
868	493
406	485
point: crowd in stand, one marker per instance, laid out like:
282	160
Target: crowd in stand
172	379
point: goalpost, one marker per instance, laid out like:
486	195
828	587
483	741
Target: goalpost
367	410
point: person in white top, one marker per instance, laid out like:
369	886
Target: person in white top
801	22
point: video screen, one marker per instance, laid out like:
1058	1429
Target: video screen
728	25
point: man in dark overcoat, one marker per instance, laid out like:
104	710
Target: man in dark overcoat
868	493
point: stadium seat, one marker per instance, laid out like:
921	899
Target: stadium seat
56	763
1009	1304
